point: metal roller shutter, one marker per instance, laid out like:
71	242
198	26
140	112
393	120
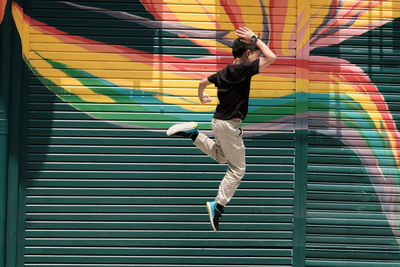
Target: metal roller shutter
352	206
104	185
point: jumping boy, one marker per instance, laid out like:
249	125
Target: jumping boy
233	83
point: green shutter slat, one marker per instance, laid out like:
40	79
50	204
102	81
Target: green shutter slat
170	142
349	222
157	217
378	232
343	197
361	255
32	208
149	200
153	192
351	263
148	158
151	167
130	242
338	187
139	265
338	177
159	260
148	150
138	175
242	252
257	235
161	226
158	183
322	205
352	240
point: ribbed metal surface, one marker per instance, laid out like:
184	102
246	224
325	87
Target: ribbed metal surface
98	183
99	194
351	213
121	196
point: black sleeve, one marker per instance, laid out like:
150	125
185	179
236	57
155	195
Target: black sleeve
255	67
214	79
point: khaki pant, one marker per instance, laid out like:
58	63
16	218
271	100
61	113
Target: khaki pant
227	148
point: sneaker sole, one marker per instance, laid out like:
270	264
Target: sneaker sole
181	127
211	217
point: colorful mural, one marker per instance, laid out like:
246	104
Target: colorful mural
153	85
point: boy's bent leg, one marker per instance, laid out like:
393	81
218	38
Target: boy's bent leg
234	150
232	179
210	148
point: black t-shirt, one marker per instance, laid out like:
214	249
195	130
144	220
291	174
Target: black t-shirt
233	83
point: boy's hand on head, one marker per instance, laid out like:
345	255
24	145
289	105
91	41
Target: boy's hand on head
204	98
245	33
268	57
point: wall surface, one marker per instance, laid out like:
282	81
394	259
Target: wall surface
94	180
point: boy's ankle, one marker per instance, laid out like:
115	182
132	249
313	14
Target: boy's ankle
220	207
194	136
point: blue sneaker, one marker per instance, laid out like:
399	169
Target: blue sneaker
214	214
186	129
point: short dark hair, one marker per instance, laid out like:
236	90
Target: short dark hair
239	47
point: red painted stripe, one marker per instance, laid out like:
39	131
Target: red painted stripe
153	8
277	23
234	12
159	10
3	4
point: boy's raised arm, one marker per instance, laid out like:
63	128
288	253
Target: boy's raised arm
268	56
